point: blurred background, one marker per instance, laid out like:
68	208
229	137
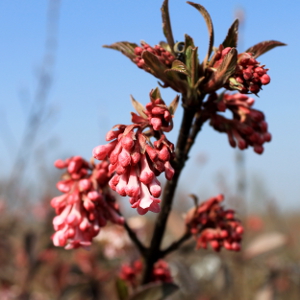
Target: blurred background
61	92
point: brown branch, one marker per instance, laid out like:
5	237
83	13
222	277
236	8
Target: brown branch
154	253
135	239
197	125
175	245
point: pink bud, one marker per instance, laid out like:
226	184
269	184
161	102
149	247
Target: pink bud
85	184
254	88
235	246
267	137
155	188
156	123
265	79
151	152
138	50
169	171
64	186
258	149
124	158
127	143
164	153
215	245
60	164
239	230
100	152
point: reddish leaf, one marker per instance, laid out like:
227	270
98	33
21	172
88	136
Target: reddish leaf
232	35
263	47
209	24
178	66
167	24
125	47
138	107
173	105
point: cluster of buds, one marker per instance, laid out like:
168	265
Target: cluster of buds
134	161
248	126
131	273
163	55
135	164
211	224
249	75
161	272
156	115
86	204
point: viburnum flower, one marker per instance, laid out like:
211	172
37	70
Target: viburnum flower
249	75
131	273
164	56
134	161
86	204
247	127
211	224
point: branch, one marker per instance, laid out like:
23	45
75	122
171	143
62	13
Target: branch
199	121
176	245
153	254
135	239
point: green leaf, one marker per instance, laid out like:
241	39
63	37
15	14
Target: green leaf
232	35
125	47
235	85
165	46
179	66
138	107
155	94
192	65
188	41
263	47
122	289
210	27
173	105
155	292
167	24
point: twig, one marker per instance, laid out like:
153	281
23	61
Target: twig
175	245
168	195
197	125
135	239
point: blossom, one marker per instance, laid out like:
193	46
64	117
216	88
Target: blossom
164	56
85	205
247	127
211	224
131	273
134	165
249	75
134	161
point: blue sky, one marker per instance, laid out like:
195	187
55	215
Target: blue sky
91	86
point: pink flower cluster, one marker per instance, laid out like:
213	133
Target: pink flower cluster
134	161
86	204
163	55
249	75
211	224
131	273
248	126
156	115
135	164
